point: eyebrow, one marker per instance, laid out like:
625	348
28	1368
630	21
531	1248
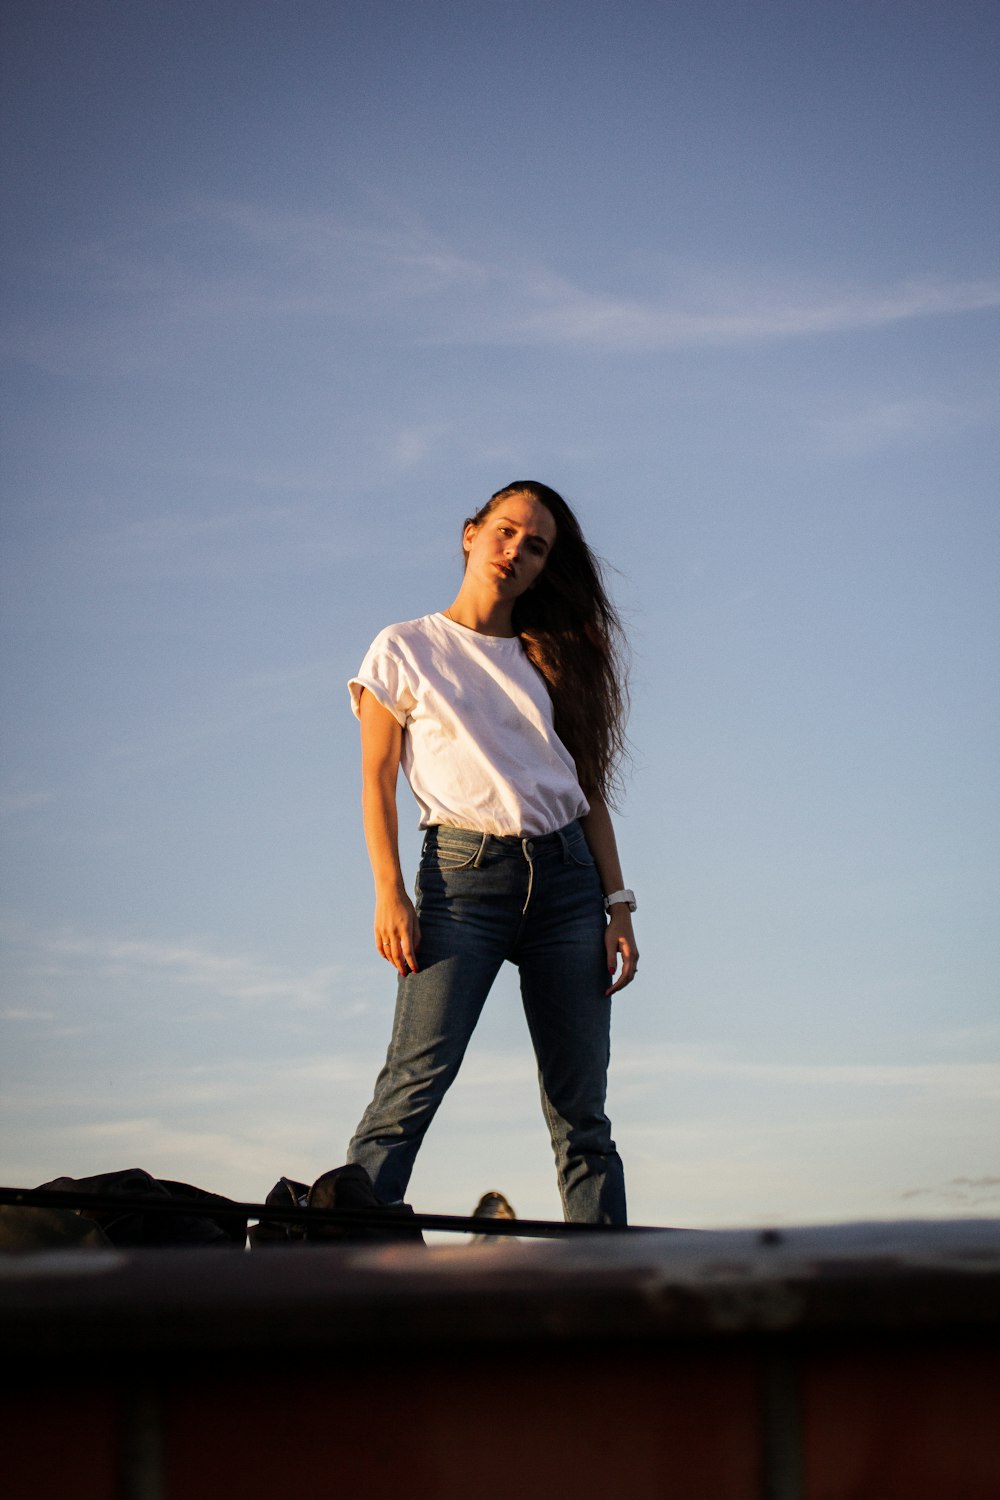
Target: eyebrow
535	536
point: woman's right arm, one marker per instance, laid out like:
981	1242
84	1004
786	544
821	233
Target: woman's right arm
397	930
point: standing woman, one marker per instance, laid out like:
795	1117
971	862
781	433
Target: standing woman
507	714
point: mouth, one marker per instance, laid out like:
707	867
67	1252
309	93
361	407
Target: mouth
505	570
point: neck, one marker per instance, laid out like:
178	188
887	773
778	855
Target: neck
489	616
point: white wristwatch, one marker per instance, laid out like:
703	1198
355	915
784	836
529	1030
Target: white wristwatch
617	898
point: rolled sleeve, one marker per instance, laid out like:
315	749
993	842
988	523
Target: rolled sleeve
384	674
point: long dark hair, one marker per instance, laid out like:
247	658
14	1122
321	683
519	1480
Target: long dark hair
573	634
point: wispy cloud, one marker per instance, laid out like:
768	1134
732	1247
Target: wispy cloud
23	800
229	976
412	444
715	311
173	530
420	261
231	1124
958	1192
214	264
873	425
516	300
955	1079
61	965
247	541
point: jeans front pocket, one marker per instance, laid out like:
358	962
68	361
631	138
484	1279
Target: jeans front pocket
579	853
449	853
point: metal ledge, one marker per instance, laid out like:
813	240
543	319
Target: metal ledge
902	1277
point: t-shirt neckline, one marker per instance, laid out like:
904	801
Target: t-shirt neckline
478	635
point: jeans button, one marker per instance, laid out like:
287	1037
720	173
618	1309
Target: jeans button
530	847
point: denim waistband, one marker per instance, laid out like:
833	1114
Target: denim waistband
515	842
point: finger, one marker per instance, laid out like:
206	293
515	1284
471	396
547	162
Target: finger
393	955
630	960
400	947
407	950
409	942
611	953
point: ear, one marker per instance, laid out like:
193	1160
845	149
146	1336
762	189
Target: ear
469	536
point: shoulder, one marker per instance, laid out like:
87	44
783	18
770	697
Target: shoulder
401	642
408	632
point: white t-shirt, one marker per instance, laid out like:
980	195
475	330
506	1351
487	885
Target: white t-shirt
480	750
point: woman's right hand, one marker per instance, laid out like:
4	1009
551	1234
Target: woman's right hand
397	931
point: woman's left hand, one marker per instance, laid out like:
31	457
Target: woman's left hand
619	943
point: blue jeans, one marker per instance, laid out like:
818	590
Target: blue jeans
483	899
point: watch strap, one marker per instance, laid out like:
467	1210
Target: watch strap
620	898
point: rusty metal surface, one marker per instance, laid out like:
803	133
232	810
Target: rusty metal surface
856	1362
912	1276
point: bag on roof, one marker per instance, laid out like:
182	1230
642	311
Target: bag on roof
127	1226
348	1187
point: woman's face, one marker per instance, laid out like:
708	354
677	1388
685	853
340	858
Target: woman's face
508	550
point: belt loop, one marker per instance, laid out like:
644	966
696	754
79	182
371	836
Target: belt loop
565	845
480	852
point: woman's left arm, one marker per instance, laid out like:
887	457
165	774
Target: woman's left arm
619	940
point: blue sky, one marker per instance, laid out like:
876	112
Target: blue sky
289	290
